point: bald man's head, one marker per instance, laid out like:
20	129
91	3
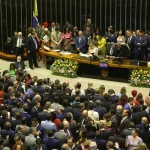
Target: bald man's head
144	120
85	113
80	33
66	124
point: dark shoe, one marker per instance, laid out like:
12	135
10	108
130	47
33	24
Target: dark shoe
37	66
32	68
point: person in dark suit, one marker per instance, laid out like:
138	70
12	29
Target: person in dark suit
137	116
50	142
77	102
107	34
140	48
112	37
144	122
128	131
32	47
72	124
19	43
77	112
145	135
39	145
34	110
8	46
17	120
88	24
130	42
106	103
122	50
125	120
101	110
117	138
80	43
73	145
68	25
42	115
101	143
7	133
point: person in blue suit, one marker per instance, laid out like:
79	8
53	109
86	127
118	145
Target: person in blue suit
80	43
50	142
140	48
128	106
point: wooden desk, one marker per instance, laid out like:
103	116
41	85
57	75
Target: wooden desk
79	59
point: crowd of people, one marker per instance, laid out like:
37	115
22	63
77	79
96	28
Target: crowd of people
128	44
40	114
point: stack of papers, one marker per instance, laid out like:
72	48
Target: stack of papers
84	55
56	50
46	48
65	53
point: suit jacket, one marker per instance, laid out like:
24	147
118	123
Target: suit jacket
130	42
101	111
61	136
124	124
30	140
76	114
14	123
105	134
34	112
145	135
43	147
52	143
136	117
42	115
76	105
111	52
56	38
21	65
15	42
118	139
83	121
106	104
73	128
30	45
126	132
142	48
5	133
101	143
82	44
140	126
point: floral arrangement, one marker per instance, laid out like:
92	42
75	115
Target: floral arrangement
140	78
65	67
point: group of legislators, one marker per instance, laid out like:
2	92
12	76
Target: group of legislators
132	45
41	114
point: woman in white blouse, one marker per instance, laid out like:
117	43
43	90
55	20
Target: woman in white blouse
93	50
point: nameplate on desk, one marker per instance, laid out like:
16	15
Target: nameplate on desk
103	65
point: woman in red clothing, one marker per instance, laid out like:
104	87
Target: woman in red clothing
1	93
55	119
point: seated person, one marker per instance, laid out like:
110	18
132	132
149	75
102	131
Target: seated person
19	64
66	37
122	50
111	49
12	70
80	43
92	50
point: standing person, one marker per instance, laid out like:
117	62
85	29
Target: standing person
56	39
81	43
88	24
19	43
38	30
32	47
101	41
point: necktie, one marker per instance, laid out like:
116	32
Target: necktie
111	51
35	43
19	42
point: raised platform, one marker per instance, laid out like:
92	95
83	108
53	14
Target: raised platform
126	63
9	57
